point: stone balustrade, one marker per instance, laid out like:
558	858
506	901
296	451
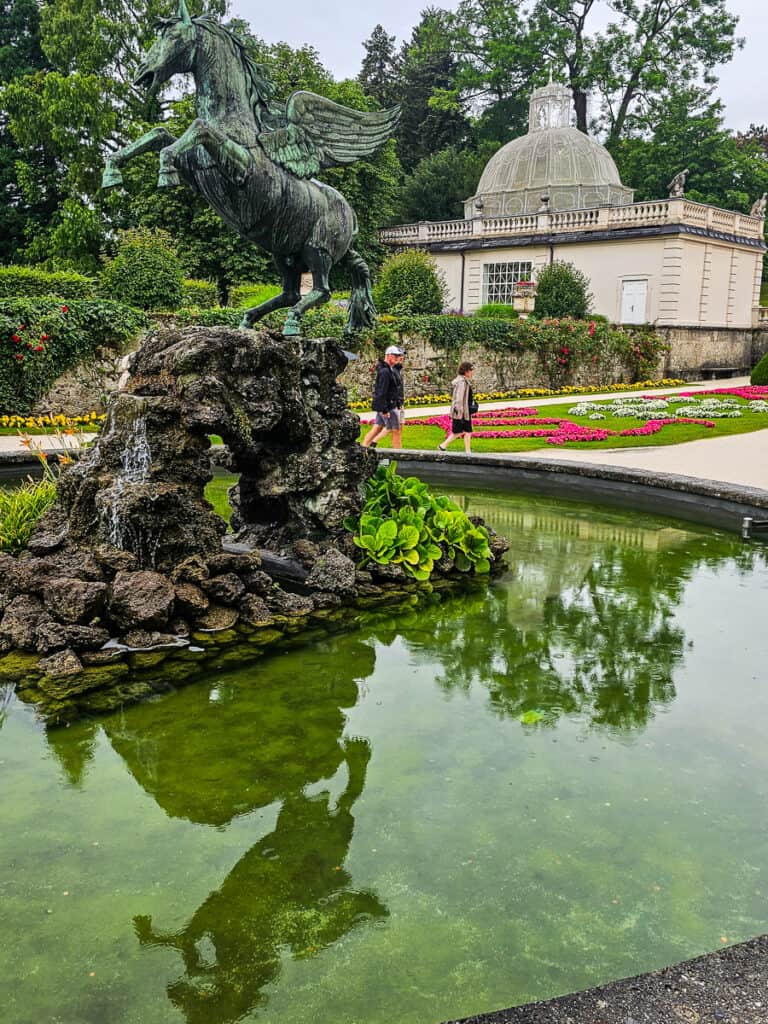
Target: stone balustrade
663	211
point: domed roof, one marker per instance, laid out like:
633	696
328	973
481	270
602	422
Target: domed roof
553	161
553	156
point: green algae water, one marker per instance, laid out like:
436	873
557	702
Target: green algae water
512	794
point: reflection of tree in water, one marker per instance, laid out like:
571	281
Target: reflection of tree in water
582	628
209	754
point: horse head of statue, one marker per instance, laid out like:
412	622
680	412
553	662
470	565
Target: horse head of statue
172	53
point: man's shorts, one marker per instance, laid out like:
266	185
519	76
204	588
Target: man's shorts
388	420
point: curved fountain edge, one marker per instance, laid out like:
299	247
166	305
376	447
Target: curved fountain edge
710	502
728	985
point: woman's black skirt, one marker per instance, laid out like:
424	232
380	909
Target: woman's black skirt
461	426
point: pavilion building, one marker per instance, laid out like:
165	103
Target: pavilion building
556	194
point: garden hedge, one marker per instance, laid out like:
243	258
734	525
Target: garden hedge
760	373
42	338
561	346
202	294
18	282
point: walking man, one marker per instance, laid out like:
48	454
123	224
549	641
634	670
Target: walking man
386	397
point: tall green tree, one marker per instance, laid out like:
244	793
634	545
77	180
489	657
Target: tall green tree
649	50
497	64
27	178
439	184
725	170
82	105
428	76
378	73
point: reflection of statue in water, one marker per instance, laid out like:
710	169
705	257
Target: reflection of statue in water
677	185
209	755
289	892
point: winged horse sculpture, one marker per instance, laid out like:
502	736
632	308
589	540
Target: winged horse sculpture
254	160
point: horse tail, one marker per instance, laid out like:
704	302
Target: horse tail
362	312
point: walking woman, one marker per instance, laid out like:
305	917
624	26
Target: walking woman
462	406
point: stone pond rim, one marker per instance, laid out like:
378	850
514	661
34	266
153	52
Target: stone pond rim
131	563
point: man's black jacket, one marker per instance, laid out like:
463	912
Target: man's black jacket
386	389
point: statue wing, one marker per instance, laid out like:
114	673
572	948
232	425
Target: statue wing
320	133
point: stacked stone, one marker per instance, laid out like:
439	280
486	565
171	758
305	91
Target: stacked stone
66	607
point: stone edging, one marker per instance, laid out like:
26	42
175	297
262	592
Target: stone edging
712	502
727	986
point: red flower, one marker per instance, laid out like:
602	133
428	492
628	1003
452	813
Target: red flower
28	344
19	356
21	327
44	337
65	309
15	339
38	348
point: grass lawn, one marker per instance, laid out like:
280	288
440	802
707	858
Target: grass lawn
429	437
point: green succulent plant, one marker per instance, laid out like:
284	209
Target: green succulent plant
403	523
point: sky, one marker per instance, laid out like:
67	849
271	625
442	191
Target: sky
337	32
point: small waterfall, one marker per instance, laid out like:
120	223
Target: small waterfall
137	457
135	466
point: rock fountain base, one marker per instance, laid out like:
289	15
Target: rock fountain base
132	562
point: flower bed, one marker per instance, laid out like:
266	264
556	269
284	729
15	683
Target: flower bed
507	396
519	423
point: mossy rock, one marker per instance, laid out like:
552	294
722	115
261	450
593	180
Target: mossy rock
214	639
93	678
20	668
146	659
265	637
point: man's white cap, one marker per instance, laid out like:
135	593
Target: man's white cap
393	350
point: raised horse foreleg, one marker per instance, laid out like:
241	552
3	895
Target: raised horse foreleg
319	263
234	160
290	295
156	139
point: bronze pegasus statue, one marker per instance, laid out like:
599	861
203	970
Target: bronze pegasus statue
254	158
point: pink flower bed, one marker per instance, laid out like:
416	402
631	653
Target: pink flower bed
750	392
520	423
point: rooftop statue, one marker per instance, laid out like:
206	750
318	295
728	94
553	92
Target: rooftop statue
253	158
758	207
677	185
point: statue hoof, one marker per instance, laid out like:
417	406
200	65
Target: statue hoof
168	179
111	178
245	324
292	327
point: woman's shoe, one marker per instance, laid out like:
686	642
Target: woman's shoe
440	447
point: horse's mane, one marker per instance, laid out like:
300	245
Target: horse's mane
260	88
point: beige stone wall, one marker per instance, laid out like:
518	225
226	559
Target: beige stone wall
694	349
691	281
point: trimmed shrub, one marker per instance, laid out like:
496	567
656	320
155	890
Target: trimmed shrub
146	271
199	293
42	338
562	291
410	283
245	296
17	282
760	373
497	311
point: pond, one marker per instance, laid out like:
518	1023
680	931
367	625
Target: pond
509	795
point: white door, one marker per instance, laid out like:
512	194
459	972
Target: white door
634	296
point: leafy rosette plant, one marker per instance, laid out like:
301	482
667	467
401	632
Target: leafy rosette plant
403	523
